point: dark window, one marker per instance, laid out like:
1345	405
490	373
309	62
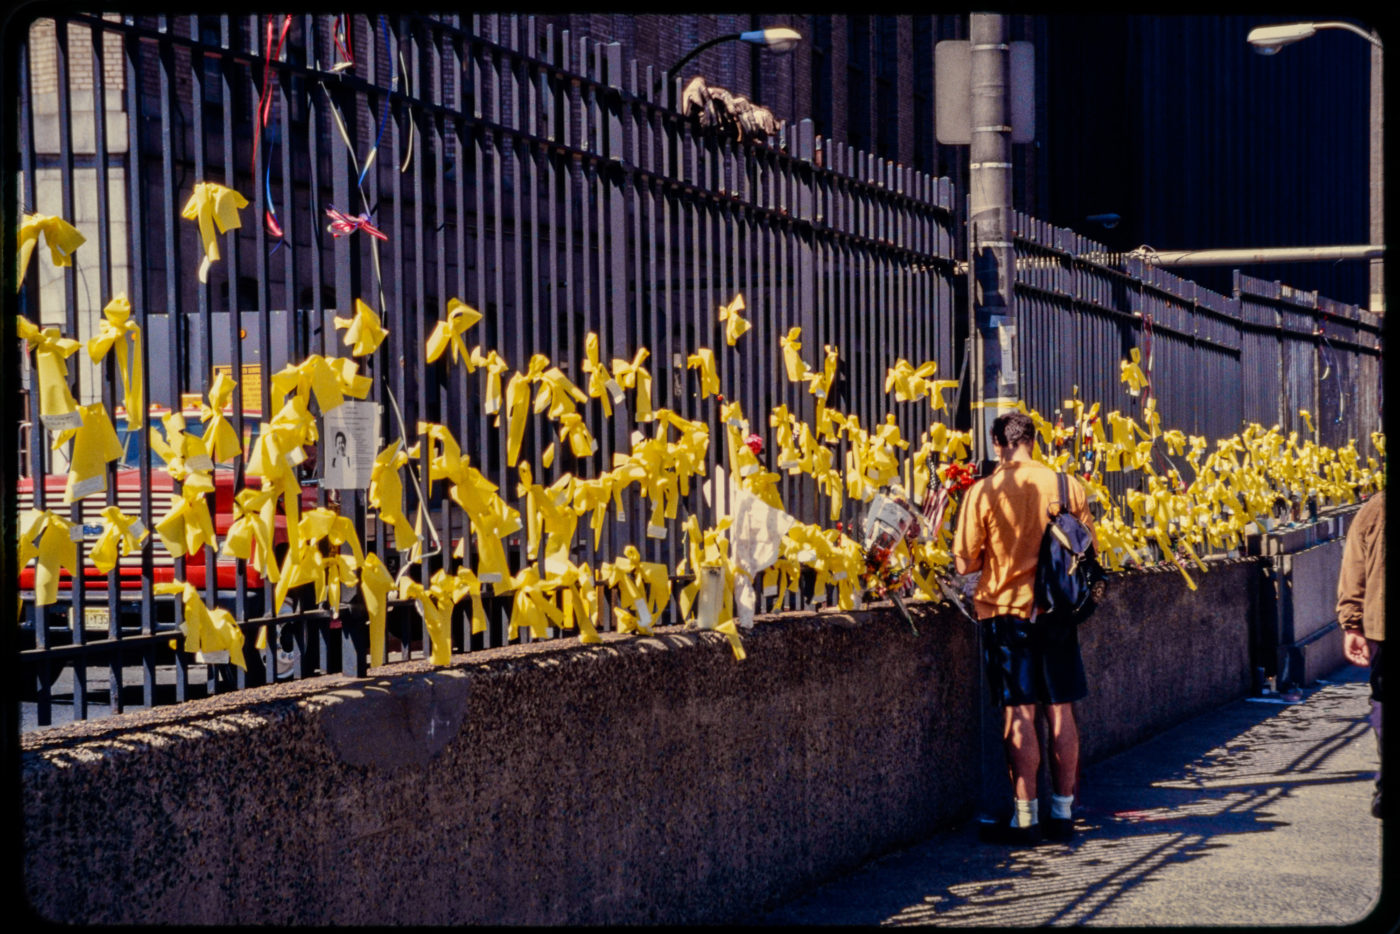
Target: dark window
922	64
887	87
858	82
821	75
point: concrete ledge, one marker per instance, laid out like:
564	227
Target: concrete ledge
646	780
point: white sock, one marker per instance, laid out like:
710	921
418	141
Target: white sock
1060	806
1027	813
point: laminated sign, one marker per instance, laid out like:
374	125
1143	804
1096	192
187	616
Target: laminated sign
351	438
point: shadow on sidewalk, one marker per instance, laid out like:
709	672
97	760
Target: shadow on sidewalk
1176	798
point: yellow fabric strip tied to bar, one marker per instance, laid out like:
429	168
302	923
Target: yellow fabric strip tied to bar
62	238
213	205
117	333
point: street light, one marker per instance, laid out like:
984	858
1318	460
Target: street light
1267	40
778	39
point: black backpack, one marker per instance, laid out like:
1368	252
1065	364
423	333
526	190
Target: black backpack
1069	581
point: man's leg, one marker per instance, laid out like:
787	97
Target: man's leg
1377	694
1022	750
1064	748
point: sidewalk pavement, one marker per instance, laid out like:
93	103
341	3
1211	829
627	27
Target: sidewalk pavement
1254	814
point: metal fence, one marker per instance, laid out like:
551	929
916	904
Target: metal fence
534	176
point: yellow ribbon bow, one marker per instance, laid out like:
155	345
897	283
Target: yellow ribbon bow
57	407
1131	373
495	366
518	405
329	379
219	437
448	332
95	445
632	375
213	205
556	394
435	603
254	513
117	329
305	563
56	548
121	535
704	360
601	385
792	355
820	380
375	584
734	326
386	494
575	433
62	237
206	631
363	331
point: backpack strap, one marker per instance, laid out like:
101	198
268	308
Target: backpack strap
1063	482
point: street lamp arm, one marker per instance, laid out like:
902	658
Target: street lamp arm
1370	37
671	72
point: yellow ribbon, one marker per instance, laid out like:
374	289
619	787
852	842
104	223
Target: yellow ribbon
95	445
57	407
62	237
386	494
117	329
792	355
121	535
56	549
435	603
1131	373
704	360
206	630
213	205
254	512
448	332
363	331
600	382
734	326
632	375
495	366
375	584
219	436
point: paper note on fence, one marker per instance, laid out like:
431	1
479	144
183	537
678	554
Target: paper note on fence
351	439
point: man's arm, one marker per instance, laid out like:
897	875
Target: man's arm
969	537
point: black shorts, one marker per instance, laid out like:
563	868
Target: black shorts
1032	663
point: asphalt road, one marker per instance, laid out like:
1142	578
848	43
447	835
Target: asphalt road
1256	814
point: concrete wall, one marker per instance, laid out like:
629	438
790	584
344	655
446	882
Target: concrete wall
647	780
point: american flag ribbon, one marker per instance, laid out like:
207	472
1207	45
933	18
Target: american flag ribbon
343	224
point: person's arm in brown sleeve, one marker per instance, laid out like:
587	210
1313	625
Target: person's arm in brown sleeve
1351	597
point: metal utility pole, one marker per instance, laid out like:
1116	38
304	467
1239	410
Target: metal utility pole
1377	148
991	257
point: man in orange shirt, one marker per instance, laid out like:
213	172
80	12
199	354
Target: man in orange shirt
1030	659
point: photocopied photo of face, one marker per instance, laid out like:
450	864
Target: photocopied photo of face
351	436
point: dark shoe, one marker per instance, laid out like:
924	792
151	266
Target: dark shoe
1006	835
1059	829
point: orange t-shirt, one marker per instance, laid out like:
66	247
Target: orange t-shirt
1000	525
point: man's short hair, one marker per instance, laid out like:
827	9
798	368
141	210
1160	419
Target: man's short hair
1013	429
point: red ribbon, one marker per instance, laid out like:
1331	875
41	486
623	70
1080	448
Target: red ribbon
342	224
